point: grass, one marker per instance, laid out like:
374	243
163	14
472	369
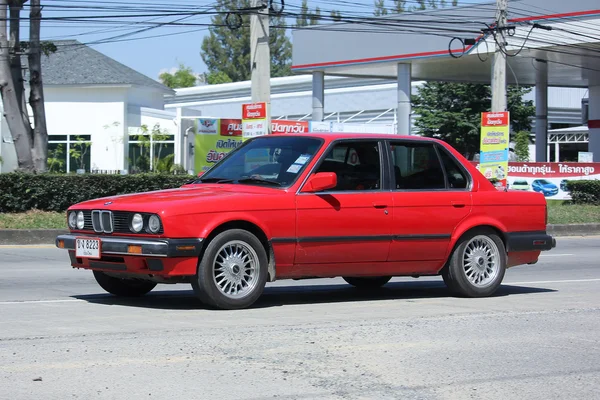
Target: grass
559	212
33	220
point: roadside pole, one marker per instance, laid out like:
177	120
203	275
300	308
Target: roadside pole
499	64
260	57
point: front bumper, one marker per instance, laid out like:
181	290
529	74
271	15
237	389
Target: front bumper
529	241
160	257
119	245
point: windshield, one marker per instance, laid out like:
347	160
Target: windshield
543	182
269	160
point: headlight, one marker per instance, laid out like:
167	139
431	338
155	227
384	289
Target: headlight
80	220
137	223
154	224
72	220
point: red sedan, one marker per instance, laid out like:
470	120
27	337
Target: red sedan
363	207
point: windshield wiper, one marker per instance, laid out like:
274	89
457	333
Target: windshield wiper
259	180
216	180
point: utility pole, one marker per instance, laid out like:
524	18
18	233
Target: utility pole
260	57
499	63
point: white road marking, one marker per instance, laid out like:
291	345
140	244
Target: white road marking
562	281
28	246
40	301
556	255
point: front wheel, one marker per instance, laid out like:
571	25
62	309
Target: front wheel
477	265
367	282
122	286
233	271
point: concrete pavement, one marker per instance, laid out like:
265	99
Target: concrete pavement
62	337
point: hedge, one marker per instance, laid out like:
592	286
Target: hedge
52	192
584	192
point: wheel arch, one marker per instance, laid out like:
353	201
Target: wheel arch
244	224
469	226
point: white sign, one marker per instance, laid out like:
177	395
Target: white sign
254	127
585	156
320	126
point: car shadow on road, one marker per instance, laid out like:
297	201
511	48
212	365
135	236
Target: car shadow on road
277	296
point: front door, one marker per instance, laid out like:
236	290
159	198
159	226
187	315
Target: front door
431	197
350	223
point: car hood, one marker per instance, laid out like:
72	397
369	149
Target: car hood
183	200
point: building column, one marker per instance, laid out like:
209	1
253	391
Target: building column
541	110
404	92
594	122
318	93
556	152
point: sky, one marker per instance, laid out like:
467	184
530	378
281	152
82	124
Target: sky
162	48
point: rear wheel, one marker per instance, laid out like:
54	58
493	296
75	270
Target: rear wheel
477	265
367	282
123	287
233	271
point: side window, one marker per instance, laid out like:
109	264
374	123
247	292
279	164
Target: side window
417	166
356	164
456	177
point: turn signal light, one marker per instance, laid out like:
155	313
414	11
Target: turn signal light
185	248
61	244
134	249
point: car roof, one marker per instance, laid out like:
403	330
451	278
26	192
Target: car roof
335	136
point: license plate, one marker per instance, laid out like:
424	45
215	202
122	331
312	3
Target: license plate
87	248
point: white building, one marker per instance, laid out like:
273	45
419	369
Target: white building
93	104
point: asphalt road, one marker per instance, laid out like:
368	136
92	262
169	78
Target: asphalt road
61	337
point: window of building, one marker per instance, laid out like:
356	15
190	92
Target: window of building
69	153
417	166
356	164
151	150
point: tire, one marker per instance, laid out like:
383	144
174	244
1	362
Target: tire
367	282
221	281
123	287
477	265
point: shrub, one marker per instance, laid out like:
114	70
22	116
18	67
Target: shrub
584	192
51	192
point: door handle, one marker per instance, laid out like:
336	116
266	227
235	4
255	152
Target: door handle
458	204
379	205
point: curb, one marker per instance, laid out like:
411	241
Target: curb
573	230
18	237
29	236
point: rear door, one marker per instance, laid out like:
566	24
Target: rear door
431	196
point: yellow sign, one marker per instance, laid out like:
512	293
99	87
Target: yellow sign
214	140
494	150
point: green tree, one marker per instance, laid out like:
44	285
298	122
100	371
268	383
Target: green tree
399	6
182	78
521	140
216	78
380	8
306	17
335	15
452	112
227	51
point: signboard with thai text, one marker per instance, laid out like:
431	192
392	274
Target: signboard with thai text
494	145
254	120
549	178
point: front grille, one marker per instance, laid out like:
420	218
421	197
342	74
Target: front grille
102	221
118	223
121	221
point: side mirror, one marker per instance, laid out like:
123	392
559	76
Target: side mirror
320	181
